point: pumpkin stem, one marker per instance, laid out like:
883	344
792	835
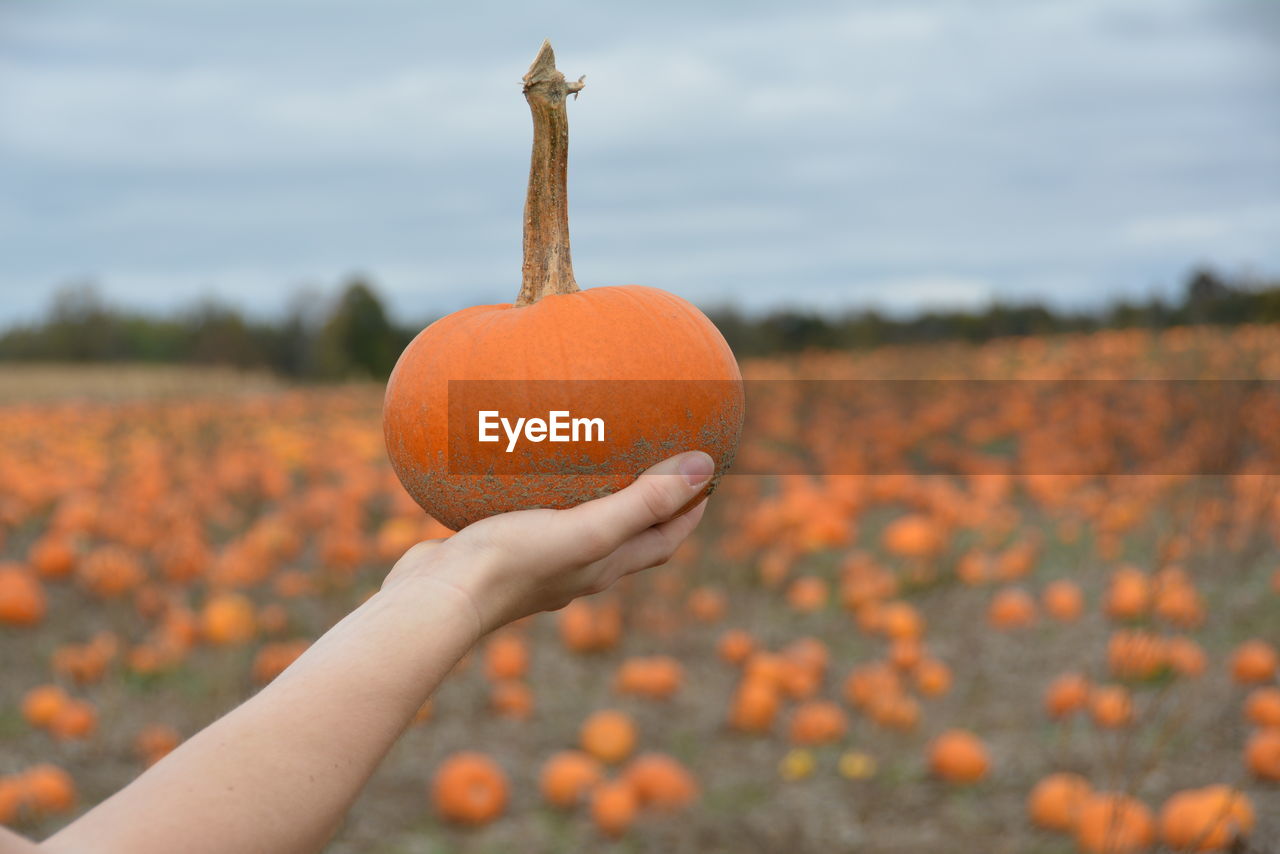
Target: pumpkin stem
548	267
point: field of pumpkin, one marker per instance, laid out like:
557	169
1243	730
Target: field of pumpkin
1035	613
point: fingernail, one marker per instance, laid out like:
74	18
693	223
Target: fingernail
697	468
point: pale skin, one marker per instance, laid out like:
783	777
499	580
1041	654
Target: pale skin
278	773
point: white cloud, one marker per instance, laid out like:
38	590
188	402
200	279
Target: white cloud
1201	228
941	291
216	117
917	151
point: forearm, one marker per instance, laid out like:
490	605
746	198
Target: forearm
278	773
12	843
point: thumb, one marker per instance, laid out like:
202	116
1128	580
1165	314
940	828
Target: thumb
655	497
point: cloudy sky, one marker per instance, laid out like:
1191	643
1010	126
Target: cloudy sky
827	154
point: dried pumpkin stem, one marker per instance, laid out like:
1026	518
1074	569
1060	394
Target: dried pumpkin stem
548	266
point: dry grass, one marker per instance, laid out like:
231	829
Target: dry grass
26	382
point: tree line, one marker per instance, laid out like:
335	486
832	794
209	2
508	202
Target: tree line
351	337
1207	298
354	336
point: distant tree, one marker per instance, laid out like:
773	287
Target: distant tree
1204	287
219	335
358	339
295	344
80	326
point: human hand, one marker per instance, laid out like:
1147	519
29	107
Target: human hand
516	564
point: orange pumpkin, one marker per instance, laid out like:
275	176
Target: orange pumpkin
84	663
1262	707
228	619
512	699
869	681
13	797
1185	656
660	782
1111	823
41	704
77	719
1111	706
568	776
1262	754
110	571
754	706
933	677
973	568
914	537
647	363
807	594
145	659
183	558
1207	819
1136	654
818	722
735	646
767	668
958	756
1012	608
870	617
506	657
613	807
707	604
1054	803
1254	661
585	627
1129	594
799	681
808	653
894	711
469	788
53	556
657	677
899	620
775	564
22	600
608	735
1063	600
1066	694
49	789
1180	604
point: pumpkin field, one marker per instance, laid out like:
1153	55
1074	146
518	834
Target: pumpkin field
1033	609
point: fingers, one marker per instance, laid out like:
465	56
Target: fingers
654	498
650	548
523	562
